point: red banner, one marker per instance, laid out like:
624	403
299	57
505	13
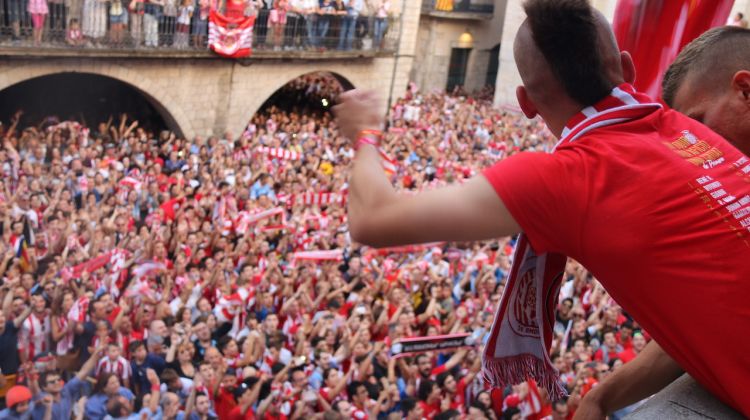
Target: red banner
230	37
654	32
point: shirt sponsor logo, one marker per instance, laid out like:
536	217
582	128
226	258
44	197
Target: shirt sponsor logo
696	151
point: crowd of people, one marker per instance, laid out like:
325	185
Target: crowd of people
146	275
179	24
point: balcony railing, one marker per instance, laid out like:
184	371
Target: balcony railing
461	9
90	25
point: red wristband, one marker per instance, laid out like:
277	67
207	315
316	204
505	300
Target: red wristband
365	140
155	387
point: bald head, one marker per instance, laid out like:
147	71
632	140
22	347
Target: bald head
569	44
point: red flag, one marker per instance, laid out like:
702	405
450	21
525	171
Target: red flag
655	31
230	37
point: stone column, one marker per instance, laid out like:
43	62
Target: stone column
407	44
507	74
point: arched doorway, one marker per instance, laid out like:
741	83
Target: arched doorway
84	97
312	93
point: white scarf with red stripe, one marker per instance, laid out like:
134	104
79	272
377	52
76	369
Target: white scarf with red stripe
521	335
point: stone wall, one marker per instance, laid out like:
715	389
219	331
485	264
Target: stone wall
438	35
208	95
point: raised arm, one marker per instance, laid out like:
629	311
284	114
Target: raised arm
90	363
17	321
646	375
379	216
8	299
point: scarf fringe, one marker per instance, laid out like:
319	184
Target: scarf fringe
500	372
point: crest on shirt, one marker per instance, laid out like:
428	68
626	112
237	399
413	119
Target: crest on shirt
696	151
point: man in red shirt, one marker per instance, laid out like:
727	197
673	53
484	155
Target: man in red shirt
359	396
609	349
246	394
639	342
454	390
653	203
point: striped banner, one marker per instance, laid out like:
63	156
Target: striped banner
279	153
314	198
330	255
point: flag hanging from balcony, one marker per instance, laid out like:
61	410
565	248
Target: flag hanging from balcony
230	37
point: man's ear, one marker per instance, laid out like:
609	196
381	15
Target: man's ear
527	106
741	85
628	67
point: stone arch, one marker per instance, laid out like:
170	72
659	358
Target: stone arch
263	91
159	97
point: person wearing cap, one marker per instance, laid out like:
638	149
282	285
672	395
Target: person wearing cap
246	394
18	401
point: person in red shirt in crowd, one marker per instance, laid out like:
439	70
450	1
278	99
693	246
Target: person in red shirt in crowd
246	394
360	399
609	350
455	390
411	409
560	411
430	399
639	343
223	392
624	335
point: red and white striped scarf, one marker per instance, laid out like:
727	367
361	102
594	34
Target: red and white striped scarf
66	342
279	153
521	335
314	198
331	255
247	218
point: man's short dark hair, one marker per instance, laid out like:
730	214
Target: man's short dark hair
44	377
407	405
565	31
441	378
721	51
425	388
510	412
448	415
353	387
115	406
336	406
